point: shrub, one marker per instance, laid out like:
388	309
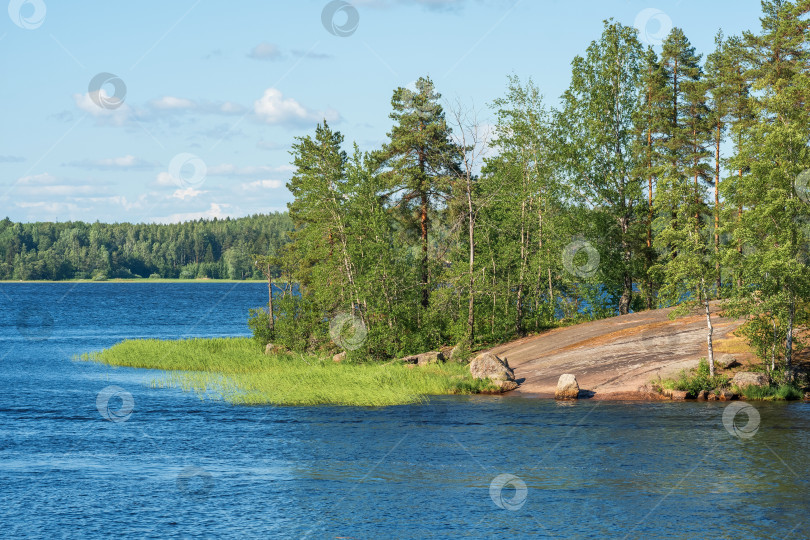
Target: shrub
699	379
298	326
259	324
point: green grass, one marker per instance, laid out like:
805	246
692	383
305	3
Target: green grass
235	370
698	379
770	393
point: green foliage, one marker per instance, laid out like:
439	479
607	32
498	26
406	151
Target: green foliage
574	212
699	379
299	325
600	112
259	324
77	250
235	370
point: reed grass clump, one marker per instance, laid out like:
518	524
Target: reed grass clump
235	370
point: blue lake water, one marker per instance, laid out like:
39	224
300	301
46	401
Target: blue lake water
93	451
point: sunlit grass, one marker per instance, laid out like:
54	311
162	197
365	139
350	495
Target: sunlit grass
770	393
235	370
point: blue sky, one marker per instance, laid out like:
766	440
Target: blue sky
202	99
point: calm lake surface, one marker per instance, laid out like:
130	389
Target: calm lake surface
81	459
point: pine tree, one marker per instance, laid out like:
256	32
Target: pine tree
772	155
680	197
719	80
649	123
683	130
419	162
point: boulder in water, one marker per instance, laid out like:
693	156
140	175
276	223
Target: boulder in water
567	387
488	366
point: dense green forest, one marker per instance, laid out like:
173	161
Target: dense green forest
75	250
661	178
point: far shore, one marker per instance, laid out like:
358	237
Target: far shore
141	280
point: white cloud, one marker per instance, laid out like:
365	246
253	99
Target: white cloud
265	51
274	108
172	103
188	193
231	108
263	184
62	191
216	210
165	179
36	190
44	179
87	103
124	162
229	169
62	209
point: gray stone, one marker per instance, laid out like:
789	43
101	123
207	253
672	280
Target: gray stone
488	366
339	357
749	378
424	359
567	387
727	395
726	361
432	357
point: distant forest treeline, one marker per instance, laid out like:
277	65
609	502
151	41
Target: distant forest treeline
220	248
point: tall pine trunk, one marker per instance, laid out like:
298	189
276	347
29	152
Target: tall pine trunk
423	220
